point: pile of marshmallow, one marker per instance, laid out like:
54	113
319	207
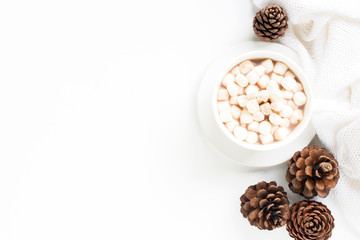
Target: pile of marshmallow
260	101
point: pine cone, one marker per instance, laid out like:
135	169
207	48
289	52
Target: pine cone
270	23
312	172
265	205
310	220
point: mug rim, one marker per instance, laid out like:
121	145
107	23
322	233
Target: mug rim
299	73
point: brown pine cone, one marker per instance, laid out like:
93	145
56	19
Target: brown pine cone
312	172
265	205
270	23
310	220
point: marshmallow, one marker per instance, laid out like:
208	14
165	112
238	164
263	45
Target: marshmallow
276	95
281	133
285	122
233	89
278	105
272	86
246	66
260	70
263	96
229	78
254	126
273	129
253	77
263	81
288	83
296	117
245	117
299	98
266	139
275	119
286	112
225	105
258	116
277	78
292	104
233	100
241	80
252	106
268	64
225	116
235	70
241	91
252	137
280	68
265	127
287	94
289	73
242	100
298	87
222	94
293	120
299	114
240	133
265	108
235	112
232	125
251	91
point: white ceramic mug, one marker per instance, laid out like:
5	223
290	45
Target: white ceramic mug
255	155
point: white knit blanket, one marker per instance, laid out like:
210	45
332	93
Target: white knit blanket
326	35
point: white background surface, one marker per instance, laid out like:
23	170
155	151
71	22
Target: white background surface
99	137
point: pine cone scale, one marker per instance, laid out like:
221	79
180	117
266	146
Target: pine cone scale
259	18
264	18
253	215
263	203
320	185
310	161
325	166
293	169
254	202
300	175
272	20
267	26
309	184
250	194
329	183
277	201
283	24
309	171
261	193
323	193
305	152
281	32
296	183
